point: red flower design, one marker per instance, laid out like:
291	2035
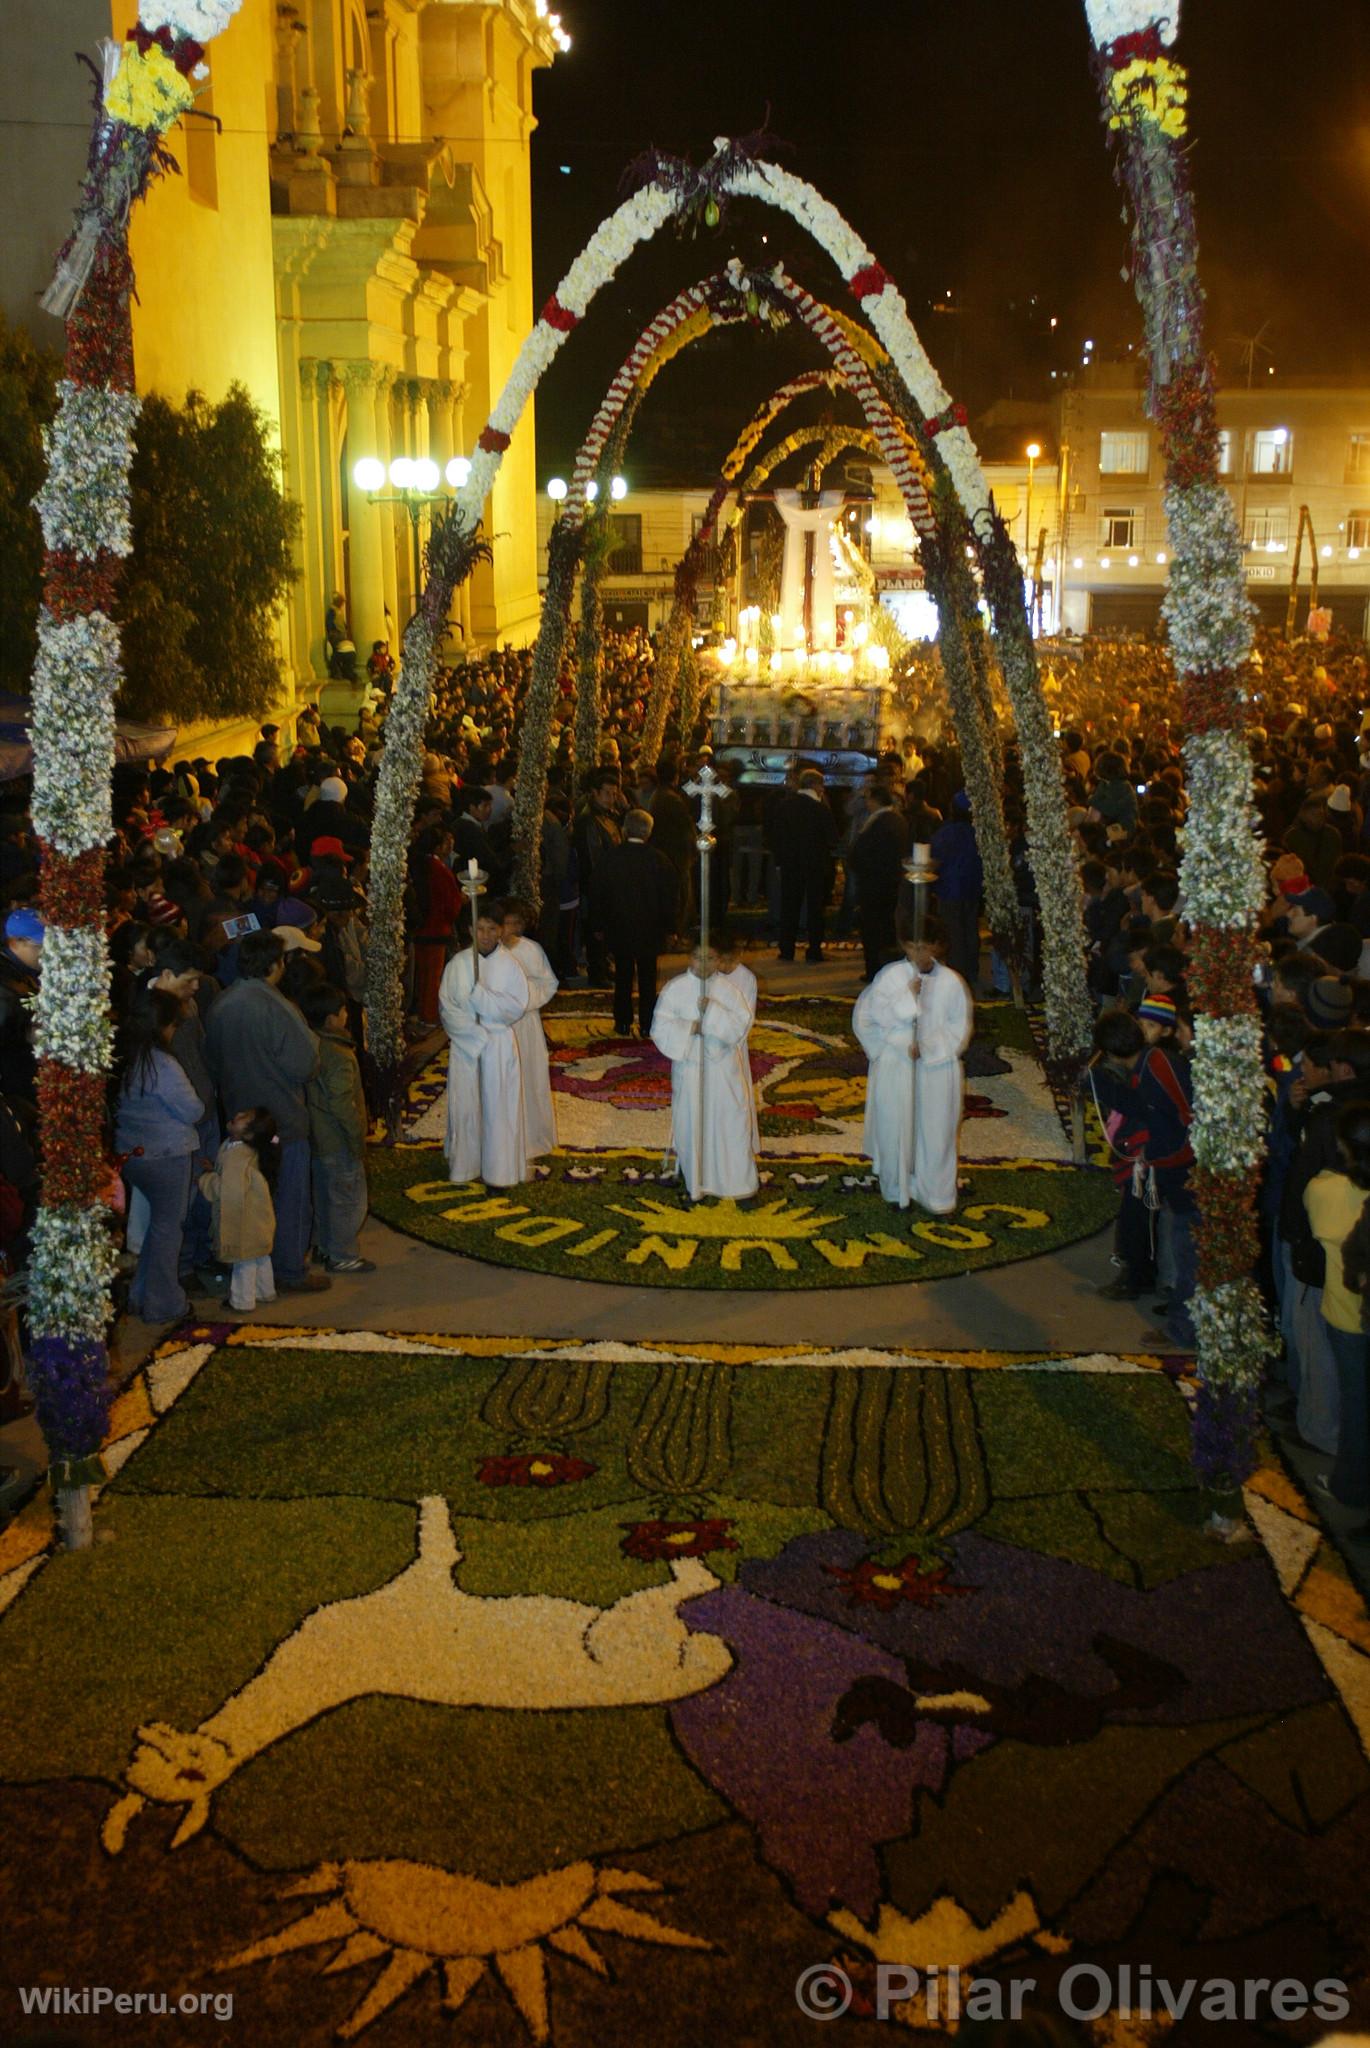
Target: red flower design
649	1542
534	1468
184	52
887	1586
954	416
492	441
559	316
1145	43
870	282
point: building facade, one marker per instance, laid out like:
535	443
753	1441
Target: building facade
1295	458
350	238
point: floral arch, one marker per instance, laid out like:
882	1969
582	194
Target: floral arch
673	190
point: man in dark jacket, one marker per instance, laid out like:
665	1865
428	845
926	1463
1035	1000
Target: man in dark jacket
596	830
636	896
261	1052
19	959
804	843
960	879
673	834
877	861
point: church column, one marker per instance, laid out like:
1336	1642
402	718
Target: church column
327	387
389	444
315	564
366	522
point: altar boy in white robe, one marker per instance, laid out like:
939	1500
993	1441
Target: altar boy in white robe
485	1139
914	1022
733	969
717	1159
539	1119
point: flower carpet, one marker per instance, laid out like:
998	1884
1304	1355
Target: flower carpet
495	1691
609	1205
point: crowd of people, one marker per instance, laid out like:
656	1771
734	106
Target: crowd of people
236	894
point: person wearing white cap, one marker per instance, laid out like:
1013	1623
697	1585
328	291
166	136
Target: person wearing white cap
329	818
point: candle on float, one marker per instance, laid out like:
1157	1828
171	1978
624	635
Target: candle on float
471	868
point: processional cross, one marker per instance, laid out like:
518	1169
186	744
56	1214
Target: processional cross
706	786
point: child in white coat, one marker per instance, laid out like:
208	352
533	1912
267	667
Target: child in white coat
238	1190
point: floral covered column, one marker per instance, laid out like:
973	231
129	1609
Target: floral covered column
146	85
1210	624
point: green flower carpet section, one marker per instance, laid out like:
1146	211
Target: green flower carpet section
817	1222
488	1692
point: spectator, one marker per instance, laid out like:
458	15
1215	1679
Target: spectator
262	1053
156	1127
337	1132
804	841
637	899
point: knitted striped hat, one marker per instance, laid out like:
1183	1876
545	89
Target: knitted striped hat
1157	1010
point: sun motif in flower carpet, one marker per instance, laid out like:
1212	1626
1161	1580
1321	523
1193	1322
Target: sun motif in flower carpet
778	1219
424	1922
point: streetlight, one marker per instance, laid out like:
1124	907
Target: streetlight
556	489
1032	451
414	483
618	489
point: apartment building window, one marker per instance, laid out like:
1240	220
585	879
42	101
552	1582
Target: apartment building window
1270	452
1358	455
1358	529
1224	451
1120	527
625	544
1267	528
1123	454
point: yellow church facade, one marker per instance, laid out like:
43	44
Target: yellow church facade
351	239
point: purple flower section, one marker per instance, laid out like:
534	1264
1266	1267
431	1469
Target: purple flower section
1227	1628
763	1739
1226	1423
70	1390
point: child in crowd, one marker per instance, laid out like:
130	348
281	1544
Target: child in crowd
238	1190
337	1132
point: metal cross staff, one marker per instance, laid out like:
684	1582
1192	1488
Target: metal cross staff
706	786
472	882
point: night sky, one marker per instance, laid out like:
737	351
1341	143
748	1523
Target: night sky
962	140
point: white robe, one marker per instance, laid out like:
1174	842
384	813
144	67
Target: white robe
913	1107
719	1159
744	981
484	1096
539	1119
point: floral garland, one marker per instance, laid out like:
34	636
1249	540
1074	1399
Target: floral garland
752	435
83	507
563	559
952	587
452	553
1143	97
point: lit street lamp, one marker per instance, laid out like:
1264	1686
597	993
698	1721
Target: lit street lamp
1032	451
414	483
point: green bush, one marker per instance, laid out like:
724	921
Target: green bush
213	534
212	540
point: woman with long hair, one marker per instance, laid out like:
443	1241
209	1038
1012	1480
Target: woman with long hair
156	1126
1339	1212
